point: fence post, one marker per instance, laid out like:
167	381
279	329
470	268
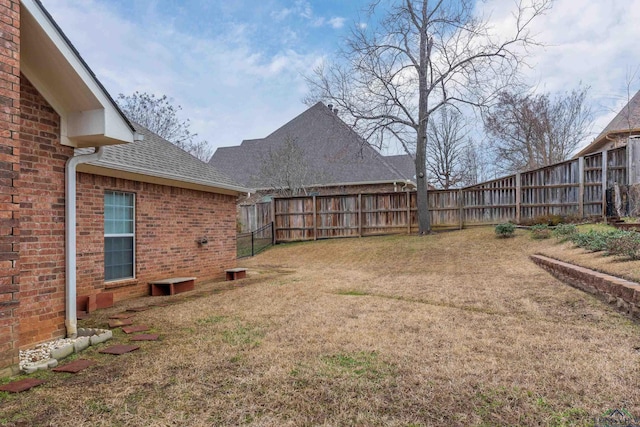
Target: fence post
252	245
315	219
255	218
632	161
604	184
581	187
273	233
272	212
408	213
518	197
461	208
359	214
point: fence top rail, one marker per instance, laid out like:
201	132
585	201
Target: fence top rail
481	184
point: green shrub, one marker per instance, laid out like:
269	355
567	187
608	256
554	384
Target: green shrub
595	241
544	220
505	230
551	220
626	245
540	231
563	232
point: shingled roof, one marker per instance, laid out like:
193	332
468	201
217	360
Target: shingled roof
155	159
337	153
626	122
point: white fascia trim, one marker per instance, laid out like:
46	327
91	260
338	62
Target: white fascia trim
172	179
104	125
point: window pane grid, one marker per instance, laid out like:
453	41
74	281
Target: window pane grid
119	232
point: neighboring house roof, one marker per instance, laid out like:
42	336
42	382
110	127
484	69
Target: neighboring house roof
334	150
626	122
404	164
156	160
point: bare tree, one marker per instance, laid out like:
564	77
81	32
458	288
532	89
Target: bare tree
530	131
448	153
286	170
476	162
420	56
161	117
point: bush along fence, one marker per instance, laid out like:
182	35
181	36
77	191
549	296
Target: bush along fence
252	243
585	187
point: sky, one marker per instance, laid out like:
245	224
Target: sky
237	67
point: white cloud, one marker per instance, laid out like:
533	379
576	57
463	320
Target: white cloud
281	14
229	89
588	42
304	9
337	22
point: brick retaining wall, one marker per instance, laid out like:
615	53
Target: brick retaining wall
624	294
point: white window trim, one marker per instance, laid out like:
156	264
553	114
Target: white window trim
133	235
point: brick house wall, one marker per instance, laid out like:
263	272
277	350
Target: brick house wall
168	222
42	216
9	174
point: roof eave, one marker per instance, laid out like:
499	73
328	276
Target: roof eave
153	177
89	116
596	145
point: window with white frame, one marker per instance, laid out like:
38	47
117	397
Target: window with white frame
119	235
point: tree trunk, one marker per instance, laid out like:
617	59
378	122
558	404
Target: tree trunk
424	222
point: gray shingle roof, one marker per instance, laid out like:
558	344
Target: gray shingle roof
403	164
157	157
337	154
627	118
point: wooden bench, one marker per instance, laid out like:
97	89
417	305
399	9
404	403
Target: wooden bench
172	286
236	273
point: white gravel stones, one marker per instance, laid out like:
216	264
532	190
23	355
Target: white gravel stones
46	355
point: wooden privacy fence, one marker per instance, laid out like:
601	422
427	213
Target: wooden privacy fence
575	187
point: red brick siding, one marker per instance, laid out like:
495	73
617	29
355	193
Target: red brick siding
168	222
42	204
9	174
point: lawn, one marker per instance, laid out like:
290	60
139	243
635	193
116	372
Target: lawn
453	329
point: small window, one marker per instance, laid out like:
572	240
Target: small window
119	235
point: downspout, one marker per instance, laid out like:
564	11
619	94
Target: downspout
71	322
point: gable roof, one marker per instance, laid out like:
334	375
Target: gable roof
89	116
330	147
158	161
626	122
403	164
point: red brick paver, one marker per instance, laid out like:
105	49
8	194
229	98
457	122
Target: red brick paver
131	329
119	349
119	323
22	385
124	315
75	366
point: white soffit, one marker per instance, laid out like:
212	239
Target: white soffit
88	115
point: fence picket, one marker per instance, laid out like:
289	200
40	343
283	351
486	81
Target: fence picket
574	187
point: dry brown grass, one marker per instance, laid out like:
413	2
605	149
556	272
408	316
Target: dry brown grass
453	329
